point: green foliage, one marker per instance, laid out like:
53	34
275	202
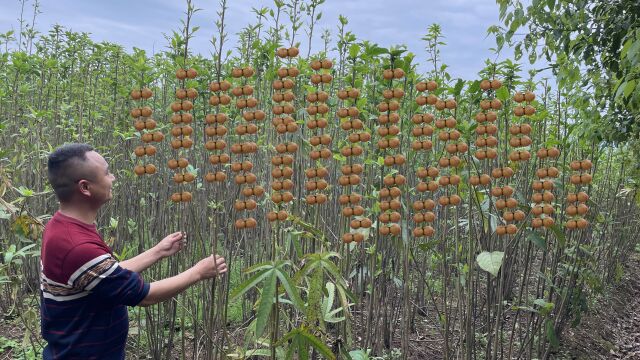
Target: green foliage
301	341
490	261
600	34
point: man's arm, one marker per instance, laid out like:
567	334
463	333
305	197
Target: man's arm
166	247
141	262
167	288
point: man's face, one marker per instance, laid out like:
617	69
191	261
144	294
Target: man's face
99	181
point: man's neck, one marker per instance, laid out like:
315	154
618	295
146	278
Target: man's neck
83	213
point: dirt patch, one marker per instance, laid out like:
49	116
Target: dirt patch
612	329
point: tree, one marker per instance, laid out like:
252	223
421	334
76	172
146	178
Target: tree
594	44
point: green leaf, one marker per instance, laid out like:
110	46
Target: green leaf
457	89
327	303
266	301
291	290
321	347
358	355
535	238
502	93
551	334
354	49
545	307
490	261
376	50
248	284
629	88
8	255
559	234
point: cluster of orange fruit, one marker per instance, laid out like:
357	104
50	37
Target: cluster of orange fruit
486	141
448	134
577	207
391	205
351	123
423	121
424	214
216	130
317	109
388	129
144	124
543	196
182	132
242	166
505	201
524	100
181	176
427	176
581	176
520	132
323	77
284	123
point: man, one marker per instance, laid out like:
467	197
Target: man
85	291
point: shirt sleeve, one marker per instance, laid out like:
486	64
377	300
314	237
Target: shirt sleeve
98	272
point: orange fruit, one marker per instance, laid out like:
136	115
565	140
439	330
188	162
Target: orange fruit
181	74
582	196
139	151
529	96
220	176
582	223
192	73
176	197
293	52
139	170
150	169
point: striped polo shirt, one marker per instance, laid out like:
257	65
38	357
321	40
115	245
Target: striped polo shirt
85	293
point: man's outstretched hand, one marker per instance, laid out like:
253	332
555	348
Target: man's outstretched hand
171	244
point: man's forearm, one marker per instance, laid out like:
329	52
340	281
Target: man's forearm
167	288
141	262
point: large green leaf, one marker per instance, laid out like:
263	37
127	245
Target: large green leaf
301	339
490	261
266	301
291	290
329	315
249	284
358	355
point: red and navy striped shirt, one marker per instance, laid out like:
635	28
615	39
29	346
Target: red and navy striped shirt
85	293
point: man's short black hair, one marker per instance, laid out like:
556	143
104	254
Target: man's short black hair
65	166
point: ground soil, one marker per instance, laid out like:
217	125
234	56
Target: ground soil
611	330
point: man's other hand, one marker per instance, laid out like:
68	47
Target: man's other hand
171	244
211	266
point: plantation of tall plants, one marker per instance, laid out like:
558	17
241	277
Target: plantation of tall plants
368	207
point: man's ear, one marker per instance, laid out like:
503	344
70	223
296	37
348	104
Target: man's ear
83	186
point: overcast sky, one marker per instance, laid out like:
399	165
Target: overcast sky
141	23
